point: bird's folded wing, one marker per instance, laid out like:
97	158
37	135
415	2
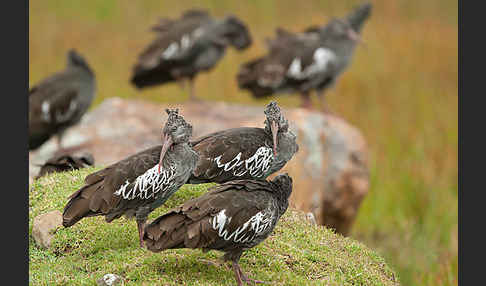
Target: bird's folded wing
224	215
230	151
127	179
147	185
174	39
310	62
63	106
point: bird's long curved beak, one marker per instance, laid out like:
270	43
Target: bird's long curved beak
354	36
274	128
166	145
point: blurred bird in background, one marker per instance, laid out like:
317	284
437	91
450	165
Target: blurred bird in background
186	46
59	101
310	60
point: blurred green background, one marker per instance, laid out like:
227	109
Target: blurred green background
400	91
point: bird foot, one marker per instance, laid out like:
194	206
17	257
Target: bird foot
247	279
251	281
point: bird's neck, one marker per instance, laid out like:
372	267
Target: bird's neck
179	148
282	199
83	69
342	48
284	143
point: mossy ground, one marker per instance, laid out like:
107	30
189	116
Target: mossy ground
297	253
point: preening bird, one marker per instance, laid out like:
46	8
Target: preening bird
59	101
186	46
140	183
245	152
231	217
306	61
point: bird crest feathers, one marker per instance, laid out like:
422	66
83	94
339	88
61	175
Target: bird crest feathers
175	119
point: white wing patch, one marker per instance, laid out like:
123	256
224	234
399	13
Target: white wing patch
186	41
170	51
148	184
46	116
322	57
255	226
257	165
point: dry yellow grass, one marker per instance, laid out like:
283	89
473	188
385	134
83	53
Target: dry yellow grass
401	91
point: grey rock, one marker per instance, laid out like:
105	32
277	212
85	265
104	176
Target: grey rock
43	226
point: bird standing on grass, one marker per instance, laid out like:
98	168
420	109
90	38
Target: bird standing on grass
245	152
140	183
301	62
231	217
59	101
186	46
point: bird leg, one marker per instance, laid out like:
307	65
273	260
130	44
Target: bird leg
237	272
245	278
322	97
140	226
182	83
59	141
192	96
306	100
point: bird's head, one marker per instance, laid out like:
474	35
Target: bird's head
275	122
347	28
284	183
74	59
176	131
338	30
358	16
236	33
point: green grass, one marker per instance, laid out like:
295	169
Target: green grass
297	253
400	91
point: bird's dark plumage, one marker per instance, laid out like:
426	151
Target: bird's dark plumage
306	61
231	217
186	46
59	101
136	186
65	162
245	152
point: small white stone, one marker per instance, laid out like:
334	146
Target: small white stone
311	218
109	280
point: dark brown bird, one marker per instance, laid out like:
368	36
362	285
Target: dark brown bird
186	46
302	62
140	183
65	162
59	101
246	152
231	217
